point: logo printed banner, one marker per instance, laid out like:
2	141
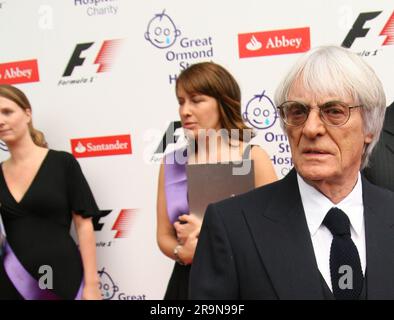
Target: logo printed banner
19	72
101	146
105	57
268	43
360	30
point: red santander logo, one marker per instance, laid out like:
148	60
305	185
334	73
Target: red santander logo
19	72
101	146
268	43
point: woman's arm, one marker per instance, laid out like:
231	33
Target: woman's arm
87	247
166	233
264	172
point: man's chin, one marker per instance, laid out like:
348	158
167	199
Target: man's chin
314	173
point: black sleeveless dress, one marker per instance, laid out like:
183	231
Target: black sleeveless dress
38	227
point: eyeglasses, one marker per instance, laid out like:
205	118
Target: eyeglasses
332	113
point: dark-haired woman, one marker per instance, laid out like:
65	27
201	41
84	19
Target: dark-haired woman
210	111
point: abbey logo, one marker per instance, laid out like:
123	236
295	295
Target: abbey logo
84	57
268	43
361	29
19	72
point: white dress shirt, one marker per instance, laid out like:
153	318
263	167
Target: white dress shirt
316	205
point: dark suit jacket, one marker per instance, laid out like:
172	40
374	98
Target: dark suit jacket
381	168
258	246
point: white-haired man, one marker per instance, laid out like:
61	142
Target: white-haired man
323	231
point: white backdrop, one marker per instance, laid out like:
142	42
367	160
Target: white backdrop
134	95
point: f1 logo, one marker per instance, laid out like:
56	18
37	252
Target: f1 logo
358	30
76	59
170	137
121	225
104	58
97	225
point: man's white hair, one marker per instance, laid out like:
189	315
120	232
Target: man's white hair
336	71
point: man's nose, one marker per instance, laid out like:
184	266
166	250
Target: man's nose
314	125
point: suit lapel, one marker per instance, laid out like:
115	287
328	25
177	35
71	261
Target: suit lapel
389	128
379	237
283	241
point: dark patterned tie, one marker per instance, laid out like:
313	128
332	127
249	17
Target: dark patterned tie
345	265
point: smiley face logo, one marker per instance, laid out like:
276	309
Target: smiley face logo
161	31
107	285
260	112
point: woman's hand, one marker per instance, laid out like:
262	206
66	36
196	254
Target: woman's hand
187	250
188	226
91	292
187	230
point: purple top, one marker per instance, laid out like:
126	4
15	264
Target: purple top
175	185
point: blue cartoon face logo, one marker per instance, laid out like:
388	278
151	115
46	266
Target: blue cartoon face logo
107	285
162	32
260	112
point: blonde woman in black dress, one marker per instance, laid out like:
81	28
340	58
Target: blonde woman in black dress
41	192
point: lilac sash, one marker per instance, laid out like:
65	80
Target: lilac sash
26	285
175	185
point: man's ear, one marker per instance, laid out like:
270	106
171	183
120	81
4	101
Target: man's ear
368	138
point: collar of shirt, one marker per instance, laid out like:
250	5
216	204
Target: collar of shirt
316	205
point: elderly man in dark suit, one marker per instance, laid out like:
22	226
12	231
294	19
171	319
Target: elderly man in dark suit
323	231
380	170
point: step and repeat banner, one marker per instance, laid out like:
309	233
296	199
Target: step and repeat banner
100	76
